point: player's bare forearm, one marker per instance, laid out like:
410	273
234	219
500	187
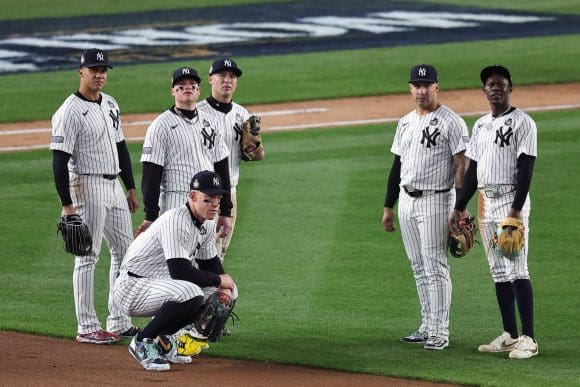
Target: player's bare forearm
132	200
142	227
388	219
453	221
223	226
68	210
461	164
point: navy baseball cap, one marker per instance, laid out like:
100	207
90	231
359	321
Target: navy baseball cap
495	69
225	64
185	72
208	182
423	73
94	57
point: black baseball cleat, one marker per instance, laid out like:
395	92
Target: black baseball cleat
133	331
415	337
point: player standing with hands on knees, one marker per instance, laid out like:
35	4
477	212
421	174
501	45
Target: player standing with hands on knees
89	152
179	143
230	116
429	147
168	268
503	149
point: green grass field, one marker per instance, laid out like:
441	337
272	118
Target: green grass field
321	283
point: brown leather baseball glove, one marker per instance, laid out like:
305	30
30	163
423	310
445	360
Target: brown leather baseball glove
251	144
509	237
462	238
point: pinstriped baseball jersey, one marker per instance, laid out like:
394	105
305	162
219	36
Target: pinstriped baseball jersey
496	144
230	125
182	147
175	234
425	144
89	131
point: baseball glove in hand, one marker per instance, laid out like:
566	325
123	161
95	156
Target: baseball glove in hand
251	144
509	237
76	235
462	238
213	316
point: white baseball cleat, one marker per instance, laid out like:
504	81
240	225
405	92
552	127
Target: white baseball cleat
436	343
502	343
525	348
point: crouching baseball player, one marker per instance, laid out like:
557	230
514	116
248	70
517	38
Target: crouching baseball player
158	276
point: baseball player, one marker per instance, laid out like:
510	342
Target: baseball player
158	276
223	78
180	142
503	150
89	152
429	147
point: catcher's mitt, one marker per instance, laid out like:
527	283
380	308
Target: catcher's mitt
76	235
461	239
213	316
251	144
509	237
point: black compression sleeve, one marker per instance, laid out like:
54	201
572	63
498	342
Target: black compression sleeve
182	269
150	186
393	182
125	165
213	265
222	169
525	169
469	187
60	171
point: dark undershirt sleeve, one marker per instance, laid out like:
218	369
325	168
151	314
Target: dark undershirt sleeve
182	269
393	182
469	187
61	180
125	165
213	265
150	186
222	169
525	169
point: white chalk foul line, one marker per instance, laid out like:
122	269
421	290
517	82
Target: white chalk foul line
279	128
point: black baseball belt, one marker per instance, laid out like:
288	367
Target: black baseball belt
108	177
417	193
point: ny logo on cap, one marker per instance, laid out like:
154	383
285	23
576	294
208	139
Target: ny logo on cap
196	183
216	182
422	71
184	70
100	56
227	63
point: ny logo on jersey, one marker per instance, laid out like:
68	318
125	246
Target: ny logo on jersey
238	127
422	71
115	117
430	137
208	138
503	136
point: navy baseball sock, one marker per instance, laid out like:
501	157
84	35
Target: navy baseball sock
504	292
171	317
525	299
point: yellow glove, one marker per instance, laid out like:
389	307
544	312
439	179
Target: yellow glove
509	237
